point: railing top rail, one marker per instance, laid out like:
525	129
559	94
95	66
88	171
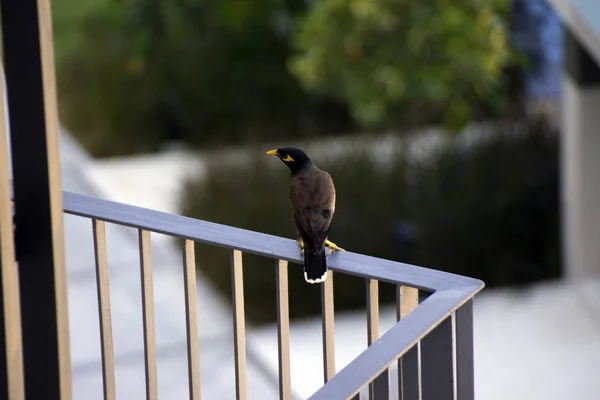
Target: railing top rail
262	244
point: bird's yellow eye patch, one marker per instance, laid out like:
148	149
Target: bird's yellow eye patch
287	158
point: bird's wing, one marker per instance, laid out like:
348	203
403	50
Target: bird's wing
312	198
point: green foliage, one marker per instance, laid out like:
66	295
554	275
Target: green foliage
490	211
135	74
391	58
101	80
68	17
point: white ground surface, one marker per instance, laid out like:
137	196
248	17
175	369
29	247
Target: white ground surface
539	343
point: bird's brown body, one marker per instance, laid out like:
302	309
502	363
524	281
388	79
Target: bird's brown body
312	202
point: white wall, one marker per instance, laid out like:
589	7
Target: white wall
581	179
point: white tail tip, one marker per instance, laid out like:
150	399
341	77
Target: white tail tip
318	280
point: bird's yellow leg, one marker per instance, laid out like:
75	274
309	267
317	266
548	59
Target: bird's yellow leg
301	244
332	246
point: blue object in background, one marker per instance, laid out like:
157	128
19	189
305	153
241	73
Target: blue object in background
537	31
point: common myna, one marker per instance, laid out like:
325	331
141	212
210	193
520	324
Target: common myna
312	200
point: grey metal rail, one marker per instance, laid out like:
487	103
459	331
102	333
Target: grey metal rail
435	337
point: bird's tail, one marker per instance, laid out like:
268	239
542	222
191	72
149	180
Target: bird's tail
315	266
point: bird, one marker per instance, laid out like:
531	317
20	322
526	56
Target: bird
312	202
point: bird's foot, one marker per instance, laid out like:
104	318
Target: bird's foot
332	246
301	244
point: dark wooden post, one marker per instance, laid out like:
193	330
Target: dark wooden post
30	80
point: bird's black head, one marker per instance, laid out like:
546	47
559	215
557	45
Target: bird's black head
294	158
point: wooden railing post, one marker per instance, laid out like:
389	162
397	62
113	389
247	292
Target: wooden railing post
148	314
191	318
103	290
239	325
327	321
283	329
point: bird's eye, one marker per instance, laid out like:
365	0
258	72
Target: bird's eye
287	158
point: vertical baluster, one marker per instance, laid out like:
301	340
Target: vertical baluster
283	329
239	324
328	332
437	365
464	352
148	315
407	299
103	288
380	387
191	319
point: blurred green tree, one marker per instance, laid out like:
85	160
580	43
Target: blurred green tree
204	71
404	60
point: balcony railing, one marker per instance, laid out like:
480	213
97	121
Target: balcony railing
432	341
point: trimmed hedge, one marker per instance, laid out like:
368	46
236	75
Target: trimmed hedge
489	211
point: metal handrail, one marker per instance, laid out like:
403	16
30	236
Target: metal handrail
441	325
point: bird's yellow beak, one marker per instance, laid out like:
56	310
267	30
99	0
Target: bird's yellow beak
272	152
